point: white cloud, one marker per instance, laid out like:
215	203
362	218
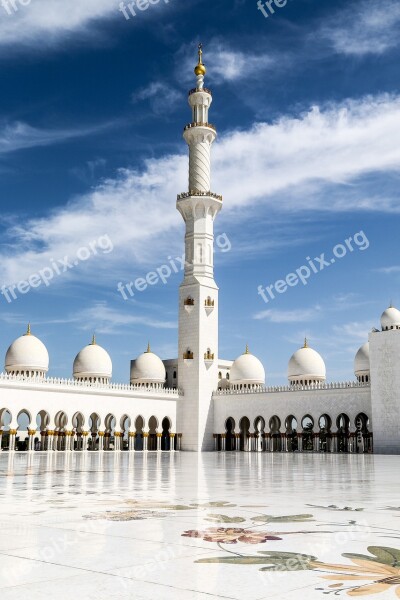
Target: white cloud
286	166
389	270
224	63
353	331
109	320
367	27
289	316
48	21
20	136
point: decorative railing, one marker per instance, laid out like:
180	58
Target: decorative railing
152	388
208	356
199	124
292	388
194	90
188	355
188	302
197	193
209	303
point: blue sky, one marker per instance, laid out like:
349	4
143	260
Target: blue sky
307	105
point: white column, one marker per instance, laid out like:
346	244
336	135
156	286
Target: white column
223	442
145	441
13	435
1	440
215	435
172	441
85	435
101	441
179	442
159	436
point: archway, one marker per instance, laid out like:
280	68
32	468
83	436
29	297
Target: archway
125	429
5	420
60	422
139	426
153	427
165	438
363	440
244	426
78	421
343	432
325	424
307	424
230	442
291	433
274	429
110	423
24	420
42	422
259	432
94	428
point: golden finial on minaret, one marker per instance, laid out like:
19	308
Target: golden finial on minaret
28	331
247	349
93	340
305	343
200	69
148	348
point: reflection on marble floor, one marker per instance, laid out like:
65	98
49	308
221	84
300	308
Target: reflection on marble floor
187	526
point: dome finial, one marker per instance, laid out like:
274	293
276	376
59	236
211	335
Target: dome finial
391	304
93	340
305	343
28	331
200	69
247	349
148	348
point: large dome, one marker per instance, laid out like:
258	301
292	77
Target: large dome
247	370
361	363
306	366
148	368
390	319
27	356
93	364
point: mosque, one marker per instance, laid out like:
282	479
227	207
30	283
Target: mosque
198	401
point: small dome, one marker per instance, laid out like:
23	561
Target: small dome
361	363
93	364
390	319
306	366
148	368
27	356
247	370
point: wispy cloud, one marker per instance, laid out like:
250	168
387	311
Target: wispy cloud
225	63
355	330
366	27
20	136
289	316
389	270
46	22
105	319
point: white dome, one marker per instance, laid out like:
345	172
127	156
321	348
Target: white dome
361	361
390	319
27	356
148	368
306	365
93	363
247	370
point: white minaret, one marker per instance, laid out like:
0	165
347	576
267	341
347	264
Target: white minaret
198	294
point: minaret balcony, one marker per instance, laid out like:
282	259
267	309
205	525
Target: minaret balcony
196	90
193	125
196	193
208	358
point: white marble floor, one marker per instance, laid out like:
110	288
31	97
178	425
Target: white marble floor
182	526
